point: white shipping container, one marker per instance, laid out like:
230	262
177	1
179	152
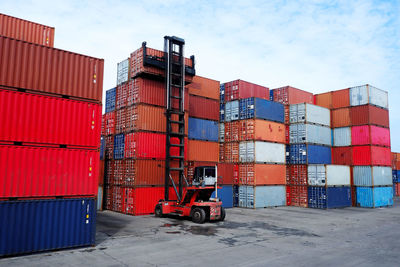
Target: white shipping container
342	136
303	133
367	94
232	110
308	113
372	176
222	132
123	71
261	152
328	175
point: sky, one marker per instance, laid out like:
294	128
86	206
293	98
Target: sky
314	45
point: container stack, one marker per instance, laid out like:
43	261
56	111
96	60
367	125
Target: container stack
360	121
396	173
296	173
135	134
49	142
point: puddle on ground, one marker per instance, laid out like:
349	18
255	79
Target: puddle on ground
170	224
202	230
173	232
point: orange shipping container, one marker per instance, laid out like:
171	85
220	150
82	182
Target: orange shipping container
341	98
262	174
205	87
202	151
232	152
341	117
232	130
324	100
27	31
262	130
221	152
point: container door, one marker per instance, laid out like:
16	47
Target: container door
378	97
243	196
359	95
321	175
228	111
312	174
235	110
301	113
243	151
293	134
293	113
250	151
250	196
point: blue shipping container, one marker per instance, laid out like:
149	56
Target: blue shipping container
110	99
395	174
226	196
102	147
373	197
200	129
259	108
222	93
236	196
271	95
119	146
329	197
39	225
221	112
308	154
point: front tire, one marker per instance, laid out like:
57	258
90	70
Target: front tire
223	214
198	215
158	211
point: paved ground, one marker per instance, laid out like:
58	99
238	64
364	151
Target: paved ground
267	237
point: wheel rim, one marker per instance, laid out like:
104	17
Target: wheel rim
196	215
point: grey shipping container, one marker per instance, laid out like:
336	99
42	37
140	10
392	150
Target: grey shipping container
308	113
342	136
262	196
328	175
372	176
303	133
367	94
232	110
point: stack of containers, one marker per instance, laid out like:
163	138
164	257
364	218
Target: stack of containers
49	142
396	173
135	132
296	173
361	133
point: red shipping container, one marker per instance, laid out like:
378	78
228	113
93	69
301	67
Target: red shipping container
151	92
39	68
297	195
109	123
109	172
41	119
144	145
103	122
371	155
288	95
221	152
342	155
109	151
44	172
397	189
120	121
370	135
118	167
117	199
287	114
143	200
368	114
203	108
296	174
239	89
108	197
101	173
232	152
121	96
341	98
262	174
232	130
25	30
227	173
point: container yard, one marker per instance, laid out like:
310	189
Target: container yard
173	162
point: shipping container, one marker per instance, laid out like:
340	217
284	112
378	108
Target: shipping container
225	194
119	146
221	112
99	199
123	71
309	133
287	114
261	130
236	196
27	31
329	197
374	197
40	225
395	157
203	151
308	113
395	176
144	172
368	114
101	172
232	111
232	130
262	196
203	108
228	173
109	123
396	189
203	129
102	147
258	108
262	174
342	136
296	174
372	176
308	154
371	155
111	99
145	145
367	94
121	96
328	175
297	195
49	70
231	153
221	131
221	152
289	95
120	123
342	155
43	171
341	117
341	98
204	87
109	152
239	89
370	135
255	151
31	118
324	100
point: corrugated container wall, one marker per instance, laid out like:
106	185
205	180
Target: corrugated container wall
44	69
324	100
371	155
232	111
328	175
239	89
370	134
203	108
308	154
329	197
123	71
342	136
341	117
202	151
373	197
342	155
226	195
367	94
111	95
40	225
310	133
204	87
262	174
262	196
289	95
367	114
372	176
203	129
258	108
308	113
340	98
27	31
251	151
261	130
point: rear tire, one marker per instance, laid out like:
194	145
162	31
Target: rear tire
198	215
158	211
223	214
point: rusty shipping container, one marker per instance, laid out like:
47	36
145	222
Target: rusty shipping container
262	130
49	70
262	174
232	130
289	95
27	31
203	108
340	117
368	114
324	100
341	98
296	174
31	118
203	151
231	153
204	87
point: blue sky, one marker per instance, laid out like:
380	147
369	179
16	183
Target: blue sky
314	45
